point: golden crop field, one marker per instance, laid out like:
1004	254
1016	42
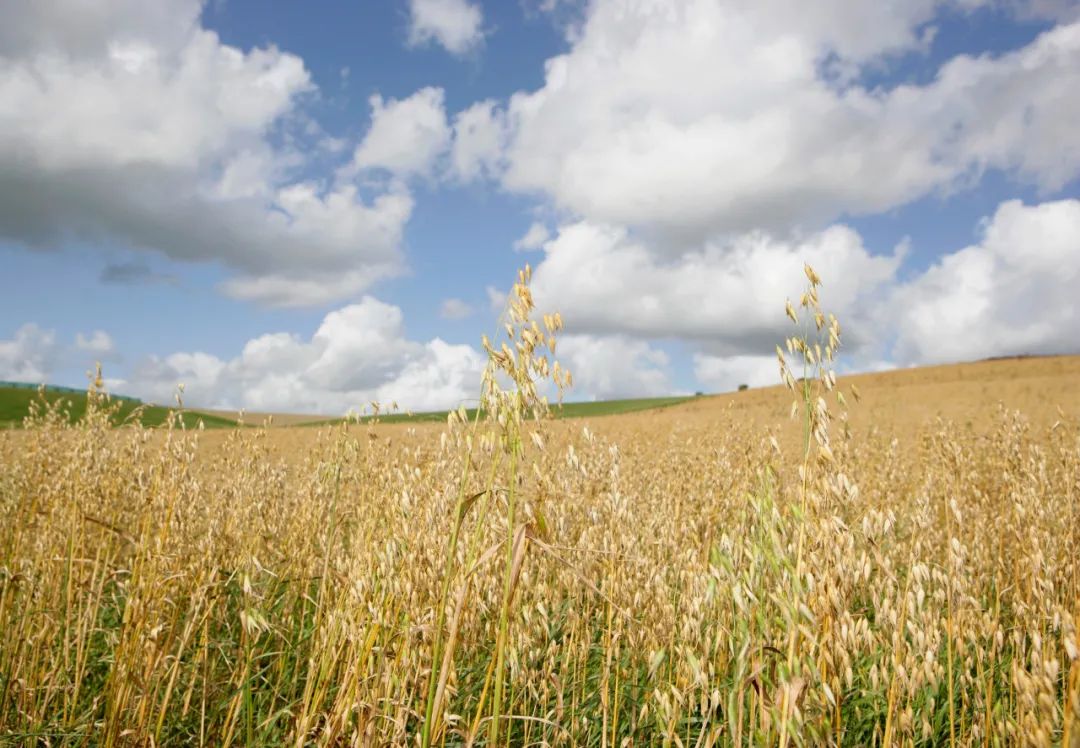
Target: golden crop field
901	570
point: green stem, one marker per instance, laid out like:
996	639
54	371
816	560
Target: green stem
504	615
451	552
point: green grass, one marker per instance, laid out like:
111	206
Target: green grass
15	406
566	410
615	407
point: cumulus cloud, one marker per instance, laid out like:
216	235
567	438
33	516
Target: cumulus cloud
358	354
1057	10
454	24
614	366
455	309
496	299
694	200
406	135
480	133
30	355
413	137
534	238
1014	292
129	123
779	132
82	29
726	295
690	201
549	6
726	373
98	343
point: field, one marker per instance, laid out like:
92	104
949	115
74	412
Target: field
892	561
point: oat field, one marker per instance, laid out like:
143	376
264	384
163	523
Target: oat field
889	559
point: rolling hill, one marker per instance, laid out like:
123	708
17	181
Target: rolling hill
16	401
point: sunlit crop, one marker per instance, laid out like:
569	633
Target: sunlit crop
515	581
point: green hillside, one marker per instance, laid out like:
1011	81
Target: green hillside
15	401
15	404
566	410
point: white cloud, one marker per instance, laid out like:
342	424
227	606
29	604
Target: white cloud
127	123
412	137
98	343
606	367
534	238
548	6
319	244
160	380
454	24
628	131
442	377
29	356
358	354
406	135
134	105
87	29
114	385
1057	10
728	296
726	373
496	299
692	200
1007	113
480	134
1013	292
455	309
696	199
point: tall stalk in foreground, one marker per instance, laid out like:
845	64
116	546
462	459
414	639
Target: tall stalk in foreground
816	348
520	363
523	362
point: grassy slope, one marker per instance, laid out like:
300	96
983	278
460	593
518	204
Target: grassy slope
566	410
15	406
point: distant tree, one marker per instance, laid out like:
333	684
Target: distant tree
743	387
699	393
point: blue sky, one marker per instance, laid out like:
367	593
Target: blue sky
306	206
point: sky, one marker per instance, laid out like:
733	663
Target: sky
309	206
